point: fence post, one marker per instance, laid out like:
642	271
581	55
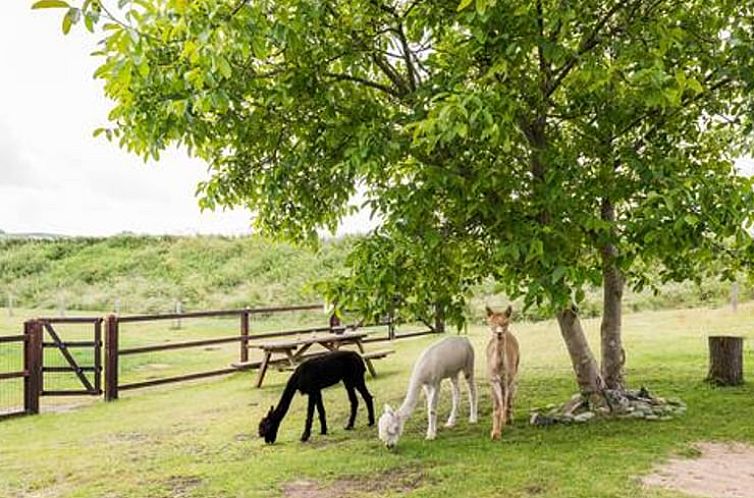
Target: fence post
32	365
111	358
245	335
734	296
178	311
334	322
98	356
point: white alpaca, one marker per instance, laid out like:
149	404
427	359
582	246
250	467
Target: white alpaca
442	360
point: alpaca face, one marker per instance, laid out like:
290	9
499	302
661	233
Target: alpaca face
499	322
390	427
268	429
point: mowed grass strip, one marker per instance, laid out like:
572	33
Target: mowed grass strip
199	439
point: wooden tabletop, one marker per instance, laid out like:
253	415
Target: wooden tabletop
317	339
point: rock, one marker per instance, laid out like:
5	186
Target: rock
583	417
574	404
542	420
636	404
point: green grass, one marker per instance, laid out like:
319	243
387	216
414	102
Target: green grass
198	440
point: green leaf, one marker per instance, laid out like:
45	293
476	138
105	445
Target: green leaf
558	274
464	4
224	67
50	4
580	295
67	22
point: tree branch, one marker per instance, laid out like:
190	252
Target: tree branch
238	7
363	81
588	43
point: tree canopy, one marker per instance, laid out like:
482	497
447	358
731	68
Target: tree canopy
537	142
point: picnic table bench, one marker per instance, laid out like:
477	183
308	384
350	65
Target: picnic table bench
291	352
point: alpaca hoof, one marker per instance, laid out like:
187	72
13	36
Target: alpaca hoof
431	437
494	435
473	420
450	423
323	433
348	427
305	437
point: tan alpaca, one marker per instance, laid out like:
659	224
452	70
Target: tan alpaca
502	368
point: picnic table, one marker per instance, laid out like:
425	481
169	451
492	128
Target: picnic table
295	350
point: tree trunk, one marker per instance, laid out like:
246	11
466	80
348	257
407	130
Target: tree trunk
584	365
613	355
726	365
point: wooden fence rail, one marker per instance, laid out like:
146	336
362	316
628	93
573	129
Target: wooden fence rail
34	345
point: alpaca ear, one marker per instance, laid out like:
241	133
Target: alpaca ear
509	311
489	311
387	409
272	409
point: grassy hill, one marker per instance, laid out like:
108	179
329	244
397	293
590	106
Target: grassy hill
151	273
148	274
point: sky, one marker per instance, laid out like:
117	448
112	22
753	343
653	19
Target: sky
56	178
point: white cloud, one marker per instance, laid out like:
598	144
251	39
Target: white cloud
745	165
54	176
13	169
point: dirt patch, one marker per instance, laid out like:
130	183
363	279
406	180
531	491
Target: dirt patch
718	470
181	486
129	437
398	480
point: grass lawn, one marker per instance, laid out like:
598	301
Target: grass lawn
199	440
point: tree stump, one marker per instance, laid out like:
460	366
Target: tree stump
726	360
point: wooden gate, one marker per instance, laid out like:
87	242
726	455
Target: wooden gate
82	372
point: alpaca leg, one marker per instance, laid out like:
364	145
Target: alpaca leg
367	396
456	394
309	417
512	388
354	405
321	411
473	403
505	401
497	415
432	395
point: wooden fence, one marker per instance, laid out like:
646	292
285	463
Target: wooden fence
88	376
31	371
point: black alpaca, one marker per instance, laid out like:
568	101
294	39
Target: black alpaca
310	378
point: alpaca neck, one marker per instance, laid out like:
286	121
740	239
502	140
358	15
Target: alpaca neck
285	400
412	398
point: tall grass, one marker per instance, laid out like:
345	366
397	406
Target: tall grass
149	274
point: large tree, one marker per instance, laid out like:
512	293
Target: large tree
552	145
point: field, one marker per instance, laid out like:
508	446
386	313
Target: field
200	440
